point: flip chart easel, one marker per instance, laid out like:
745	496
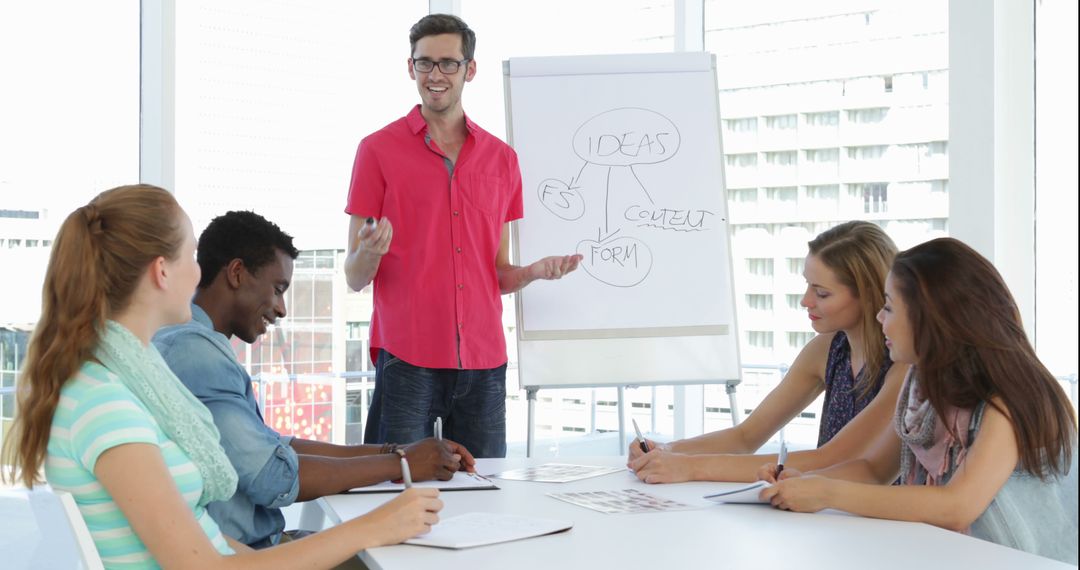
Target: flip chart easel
622	162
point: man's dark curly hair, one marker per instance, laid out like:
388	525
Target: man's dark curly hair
241	235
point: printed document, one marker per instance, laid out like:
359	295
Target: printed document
555	473
623	501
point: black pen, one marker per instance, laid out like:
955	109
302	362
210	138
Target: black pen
641	440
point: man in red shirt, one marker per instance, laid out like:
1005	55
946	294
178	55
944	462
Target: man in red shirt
431	198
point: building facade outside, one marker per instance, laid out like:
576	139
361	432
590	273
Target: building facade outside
829	112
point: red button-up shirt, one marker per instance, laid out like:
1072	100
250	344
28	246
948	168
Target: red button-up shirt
437	299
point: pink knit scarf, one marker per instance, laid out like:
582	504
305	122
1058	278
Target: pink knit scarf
936	452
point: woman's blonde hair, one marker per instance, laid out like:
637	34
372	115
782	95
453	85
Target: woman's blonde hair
860	254
100	254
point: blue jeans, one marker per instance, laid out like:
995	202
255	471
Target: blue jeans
407	399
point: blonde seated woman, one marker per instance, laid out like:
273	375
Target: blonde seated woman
112	425
845	275
983	437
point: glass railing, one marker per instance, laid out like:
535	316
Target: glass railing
333	408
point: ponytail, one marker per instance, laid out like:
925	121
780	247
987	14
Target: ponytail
97	260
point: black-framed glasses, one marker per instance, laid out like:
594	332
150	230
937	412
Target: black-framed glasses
447	66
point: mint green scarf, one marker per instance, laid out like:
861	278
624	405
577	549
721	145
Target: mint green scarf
183	418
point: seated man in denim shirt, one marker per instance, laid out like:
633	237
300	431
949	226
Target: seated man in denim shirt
247	264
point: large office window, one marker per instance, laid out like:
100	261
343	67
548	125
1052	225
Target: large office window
555	27
560	27
851	100
830	111
272	100
69	128
1056	188
271	103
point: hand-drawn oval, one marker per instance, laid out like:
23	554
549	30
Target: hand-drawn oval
560	199
625	137
621	262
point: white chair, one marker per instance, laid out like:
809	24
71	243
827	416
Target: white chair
311	516
83	541
44	530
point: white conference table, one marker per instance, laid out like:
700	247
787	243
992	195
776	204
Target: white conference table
728	536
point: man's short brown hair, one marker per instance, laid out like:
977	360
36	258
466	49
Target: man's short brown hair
436	24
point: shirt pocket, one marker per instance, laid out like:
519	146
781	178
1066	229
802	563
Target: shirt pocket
484	193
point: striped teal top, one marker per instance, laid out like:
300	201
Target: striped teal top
97	412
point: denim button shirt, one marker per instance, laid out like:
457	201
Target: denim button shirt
268	470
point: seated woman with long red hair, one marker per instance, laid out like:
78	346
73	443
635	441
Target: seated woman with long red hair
100	409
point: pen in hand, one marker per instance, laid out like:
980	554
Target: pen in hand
367	228
438	428
781	460
406	476
640	438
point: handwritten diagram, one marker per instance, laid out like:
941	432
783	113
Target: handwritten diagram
615	198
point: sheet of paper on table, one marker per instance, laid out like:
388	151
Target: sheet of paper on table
623	501
461	481
747	494
479	529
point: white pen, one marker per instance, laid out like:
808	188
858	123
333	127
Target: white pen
782	459
406	477
438	428
640	438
